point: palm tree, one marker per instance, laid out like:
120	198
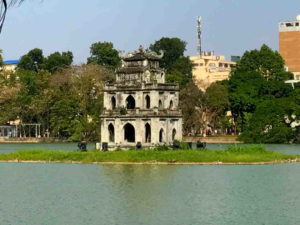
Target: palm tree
4	4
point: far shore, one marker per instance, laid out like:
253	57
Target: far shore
235	155
154	163
209	139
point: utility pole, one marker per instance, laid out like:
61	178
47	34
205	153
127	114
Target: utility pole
199	36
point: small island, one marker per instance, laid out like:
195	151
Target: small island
235	155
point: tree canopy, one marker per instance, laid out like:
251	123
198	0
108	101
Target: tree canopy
104	54
260	101
34	60
178	67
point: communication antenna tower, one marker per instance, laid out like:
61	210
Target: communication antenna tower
199	35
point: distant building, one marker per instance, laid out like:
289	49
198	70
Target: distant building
289	45
140	109
10	65
210	68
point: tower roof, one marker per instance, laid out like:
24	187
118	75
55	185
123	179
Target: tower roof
142	54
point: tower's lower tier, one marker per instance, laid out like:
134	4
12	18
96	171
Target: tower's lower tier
127	132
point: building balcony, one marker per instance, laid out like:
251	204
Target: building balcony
142	86
122	112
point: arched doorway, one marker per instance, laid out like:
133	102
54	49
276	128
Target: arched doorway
147	102
160	105
161	135
129	133
130	102
173	134
171	104
147	133
113	102
111	132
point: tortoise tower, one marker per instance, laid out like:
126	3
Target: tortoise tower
140	108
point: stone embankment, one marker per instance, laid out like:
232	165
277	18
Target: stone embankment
29	140
221	140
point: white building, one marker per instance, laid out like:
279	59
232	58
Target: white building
140	108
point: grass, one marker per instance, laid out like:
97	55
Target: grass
235	154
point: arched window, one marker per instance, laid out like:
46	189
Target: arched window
147	133
173	134
171	104
147	98
129	133
160	105
130	102
111	132
113	102
161	135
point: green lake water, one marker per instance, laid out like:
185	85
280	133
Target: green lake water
69	194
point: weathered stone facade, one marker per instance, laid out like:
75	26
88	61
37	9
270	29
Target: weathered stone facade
140	106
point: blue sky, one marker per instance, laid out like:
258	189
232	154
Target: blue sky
229	26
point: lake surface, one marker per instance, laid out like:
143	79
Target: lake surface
66	194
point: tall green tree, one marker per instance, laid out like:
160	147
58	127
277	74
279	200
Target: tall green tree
264	61
173	49
58	60
104	54
191	104
33	60
259	76
178	67
274	121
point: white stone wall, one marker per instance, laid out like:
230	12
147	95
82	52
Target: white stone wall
156	124
140	99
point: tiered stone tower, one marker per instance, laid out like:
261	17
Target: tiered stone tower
140	108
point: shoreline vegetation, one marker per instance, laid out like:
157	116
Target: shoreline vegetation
235	155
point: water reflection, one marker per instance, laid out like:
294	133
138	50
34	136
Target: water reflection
142	189
149	194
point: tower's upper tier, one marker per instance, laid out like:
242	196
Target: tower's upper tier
140	66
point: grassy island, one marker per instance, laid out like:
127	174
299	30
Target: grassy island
234	155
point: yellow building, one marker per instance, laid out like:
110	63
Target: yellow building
10	65
210	68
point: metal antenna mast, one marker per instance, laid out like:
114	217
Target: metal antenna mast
199	35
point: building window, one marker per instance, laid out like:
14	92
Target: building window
130	102
129	133
111	132
171	104
147	133
161	135
173	134
113	102
160	105
148	104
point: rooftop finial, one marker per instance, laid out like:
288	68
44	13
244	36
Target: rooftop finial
141	48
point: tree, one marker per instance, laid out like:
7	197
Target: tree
33	60
259	76
58	60
173	49
1	58
272	122
4	4
244	94
104	54
178	67
217	103
191	104
77	101
264	61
